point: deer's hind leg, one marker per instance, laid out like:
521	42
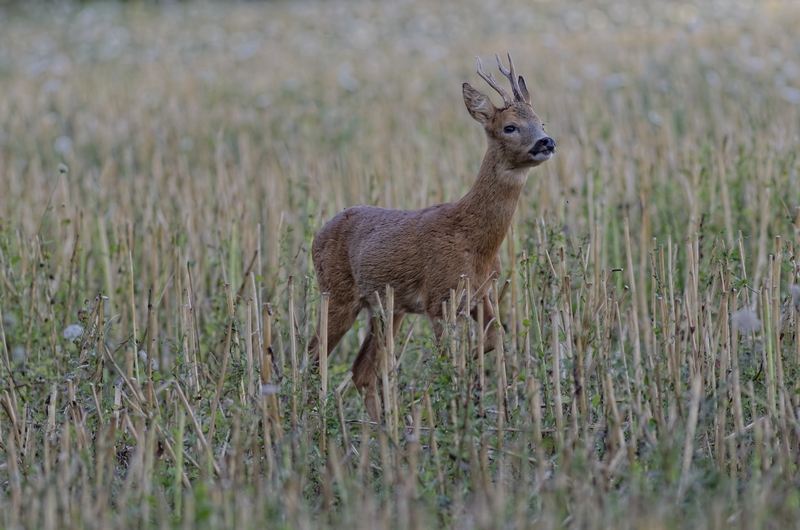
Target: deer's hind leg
365	367
343	309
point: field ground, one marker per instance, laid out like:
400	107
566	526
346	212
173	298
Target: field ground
163	172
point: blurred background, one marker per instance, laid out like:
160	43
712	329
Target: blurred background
195	116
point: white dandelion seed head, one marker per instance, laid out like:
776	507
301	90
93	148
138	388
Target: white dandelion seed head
746	321
795	290
269	389
73	331
143	356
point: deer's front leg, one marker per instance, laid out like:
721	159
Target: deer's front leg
492	329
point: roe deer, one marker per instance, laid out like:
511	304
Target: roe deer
423	253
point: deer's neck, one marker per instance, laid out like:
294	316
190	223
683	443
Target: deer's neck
487	209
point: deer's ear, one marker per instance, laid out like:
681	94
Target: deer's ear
478	104
524	89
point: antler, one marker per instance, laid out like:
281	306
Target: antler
512	76
494	84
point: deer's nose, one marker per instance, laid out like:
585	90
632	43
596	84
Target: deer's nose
545	144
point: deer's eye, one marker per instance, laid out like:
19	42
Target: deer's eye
510	129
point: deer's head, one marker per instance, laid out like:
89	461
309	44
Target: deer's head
515	132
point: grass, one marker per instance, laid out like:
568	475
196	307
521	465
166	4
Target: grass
164	171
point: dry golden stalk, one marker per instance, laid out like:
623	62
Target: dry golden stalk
691	427
249	347
293	352
557	382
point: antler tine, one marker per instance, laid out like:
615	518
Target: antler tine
494	84
512	76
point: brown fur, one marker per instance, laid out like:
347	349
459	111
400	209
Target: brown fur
423	253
